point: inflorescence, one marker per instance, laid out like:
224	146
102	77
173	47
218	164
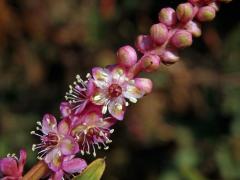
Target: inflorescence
94	105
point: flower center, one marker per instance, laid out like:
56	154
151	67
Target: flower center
50	140
115	90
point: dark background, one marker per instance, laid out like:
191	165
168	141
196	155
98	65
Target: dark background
187	129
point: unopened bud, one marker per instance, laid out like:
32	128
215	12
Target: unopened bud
169	57
150	62
182	39
193	28
214	5
144	43
159	33
144	84
185	12
126	56
206	13
167	16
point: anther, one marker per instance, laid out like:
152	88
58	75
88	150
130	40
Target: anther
39	123
104	109
111	131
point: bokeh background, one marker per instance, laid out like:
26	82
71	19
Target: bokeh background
187	129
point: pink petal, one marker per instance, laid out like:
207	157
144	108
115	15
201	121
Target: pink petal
22	160
91	118
54	159
99	97
144	84
57	175
64	126
117	108
90	87
107	122
74	166
81	107
49	124
132	92
69	146
101	77
118	75
65	109
9	167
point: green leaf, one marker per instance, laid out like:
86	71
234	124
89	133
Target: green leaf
94	171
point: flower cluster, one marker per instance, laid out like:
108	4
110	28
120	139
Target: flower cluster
11	168
94	105
91	108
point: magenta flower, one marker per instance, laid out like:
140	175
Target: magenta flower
56	141
68	166
113	88
91	129
78	96
11	168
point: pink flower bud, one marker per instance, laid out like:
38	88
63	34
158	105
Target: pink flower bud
159	33
206	13
193	28
185	12
144	43
214	5
167	16
126	56
144	84
150	62
182	39
169	57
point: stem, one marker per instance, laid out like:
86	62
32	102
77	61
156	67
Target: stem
38	171
135	70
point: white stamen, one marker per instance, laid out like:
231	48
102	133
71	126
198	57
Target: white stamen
104	109
106	148
97	98
133	100
39	158
101	133
119	107
88	75
111	131
33	147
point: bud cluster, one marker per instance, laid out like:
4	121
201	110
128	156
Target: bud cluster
176	29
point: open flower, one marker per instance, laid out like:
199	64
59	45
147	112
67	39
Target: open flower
91	129
113	88
78	96
11	168
67	166
56	141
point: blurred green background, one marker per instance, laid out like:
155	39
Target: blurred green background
187	129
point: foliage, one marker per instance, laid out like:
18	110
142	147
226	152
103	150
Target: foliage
94	171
